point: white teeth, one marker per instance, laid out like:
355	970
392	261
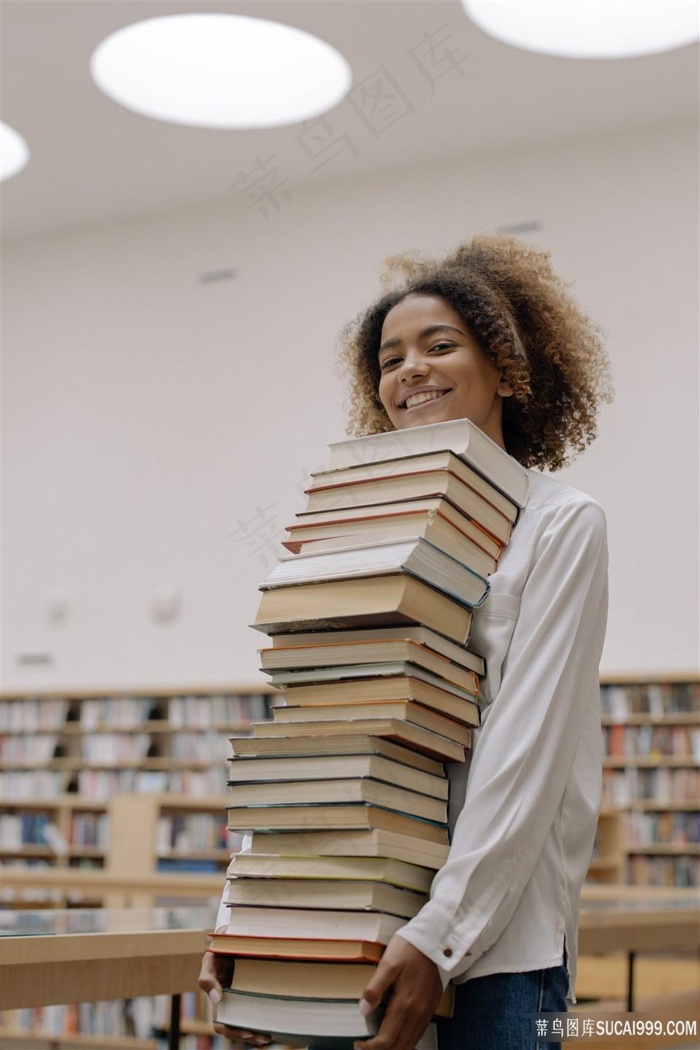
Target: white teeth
418	399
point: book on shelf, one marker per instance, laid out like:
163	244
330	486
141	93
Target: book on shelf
187	864
328	792
324	752
459	436
406	710
309	924
415	685
435	521
399	488
389	601
369	640
295	948
399	873
345	895
408	466
314	980
377	842
311	768
659	827
332	1024
656	699
443	673
338	816
388	725
681	871
416	558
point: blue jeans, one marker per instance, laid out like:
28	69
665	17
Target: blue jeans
496	1012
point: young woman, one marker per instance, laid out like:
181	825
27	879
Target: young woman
491	334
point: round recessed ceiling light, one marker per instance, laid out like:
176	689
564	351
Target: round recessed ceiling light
588	28
14	152
220	71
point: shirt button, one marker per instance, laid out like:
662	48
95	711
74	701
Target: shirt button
447	952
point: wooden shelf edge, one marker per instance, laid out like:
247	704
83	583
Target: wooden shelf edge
158	692
78	1039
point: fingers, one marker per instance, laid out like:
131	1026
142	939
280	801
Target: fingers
400	1029
215	974
378	987
239	1035
415	986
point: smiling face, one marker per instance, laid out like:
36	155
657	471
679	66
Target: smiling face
432	369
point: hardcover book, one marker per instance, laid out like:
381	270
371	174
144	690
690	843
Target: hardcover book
459	436
346	603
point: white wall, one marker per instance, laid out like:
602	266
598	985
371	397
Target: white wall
155	424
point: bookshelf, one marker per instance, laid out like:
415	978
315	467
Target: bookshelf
102	786
607	865
132	1024
650	824
87	778
98	744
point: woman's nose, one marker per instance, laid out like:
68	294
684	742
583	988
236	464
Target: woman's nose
413	364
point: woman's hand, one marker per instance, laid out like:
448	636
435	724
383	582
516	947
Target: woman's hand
216	974
414	984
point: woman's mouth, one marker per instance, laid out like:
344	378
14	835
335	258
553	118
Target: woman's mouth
421	397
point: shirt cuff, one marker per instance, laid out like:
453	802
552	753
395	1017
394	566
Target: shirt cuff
433	933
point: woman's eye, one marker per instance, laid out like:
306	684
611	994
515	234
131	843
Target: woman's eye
439	347
389	363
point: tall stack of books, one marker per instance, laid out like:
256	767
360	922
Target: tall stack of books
345	791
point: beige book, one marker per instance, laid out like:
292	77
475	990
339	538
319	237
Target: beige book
408	710
468	544
412	735
399	873
309	768
324	751
344	895
468	682
403	487
460	436
327	792
369	637
382	654
308	923
407	466
337	816
461	707
377	842
332	1023
314	980
379	601
416	558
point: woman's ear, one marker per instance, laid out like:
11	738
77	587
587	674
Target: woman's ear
504	388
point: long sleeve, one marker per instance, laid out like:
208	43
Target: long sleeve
544	638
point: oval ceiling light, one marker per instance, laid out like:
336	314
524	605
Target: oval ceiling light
588	28
14	152
220	71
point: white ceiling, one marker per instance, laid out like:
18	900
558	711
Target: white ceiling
428	85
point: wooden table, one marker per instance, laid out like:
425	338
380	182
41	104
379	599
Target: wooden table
79	956
81	887
82	956
636	919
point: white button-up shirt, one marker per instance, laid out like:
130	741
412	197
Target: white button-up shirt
526	806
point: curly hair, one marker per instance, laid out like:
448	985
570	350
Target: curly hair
527	324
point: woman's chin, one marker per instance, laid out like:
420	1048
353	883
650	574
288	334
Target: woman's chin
419	417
